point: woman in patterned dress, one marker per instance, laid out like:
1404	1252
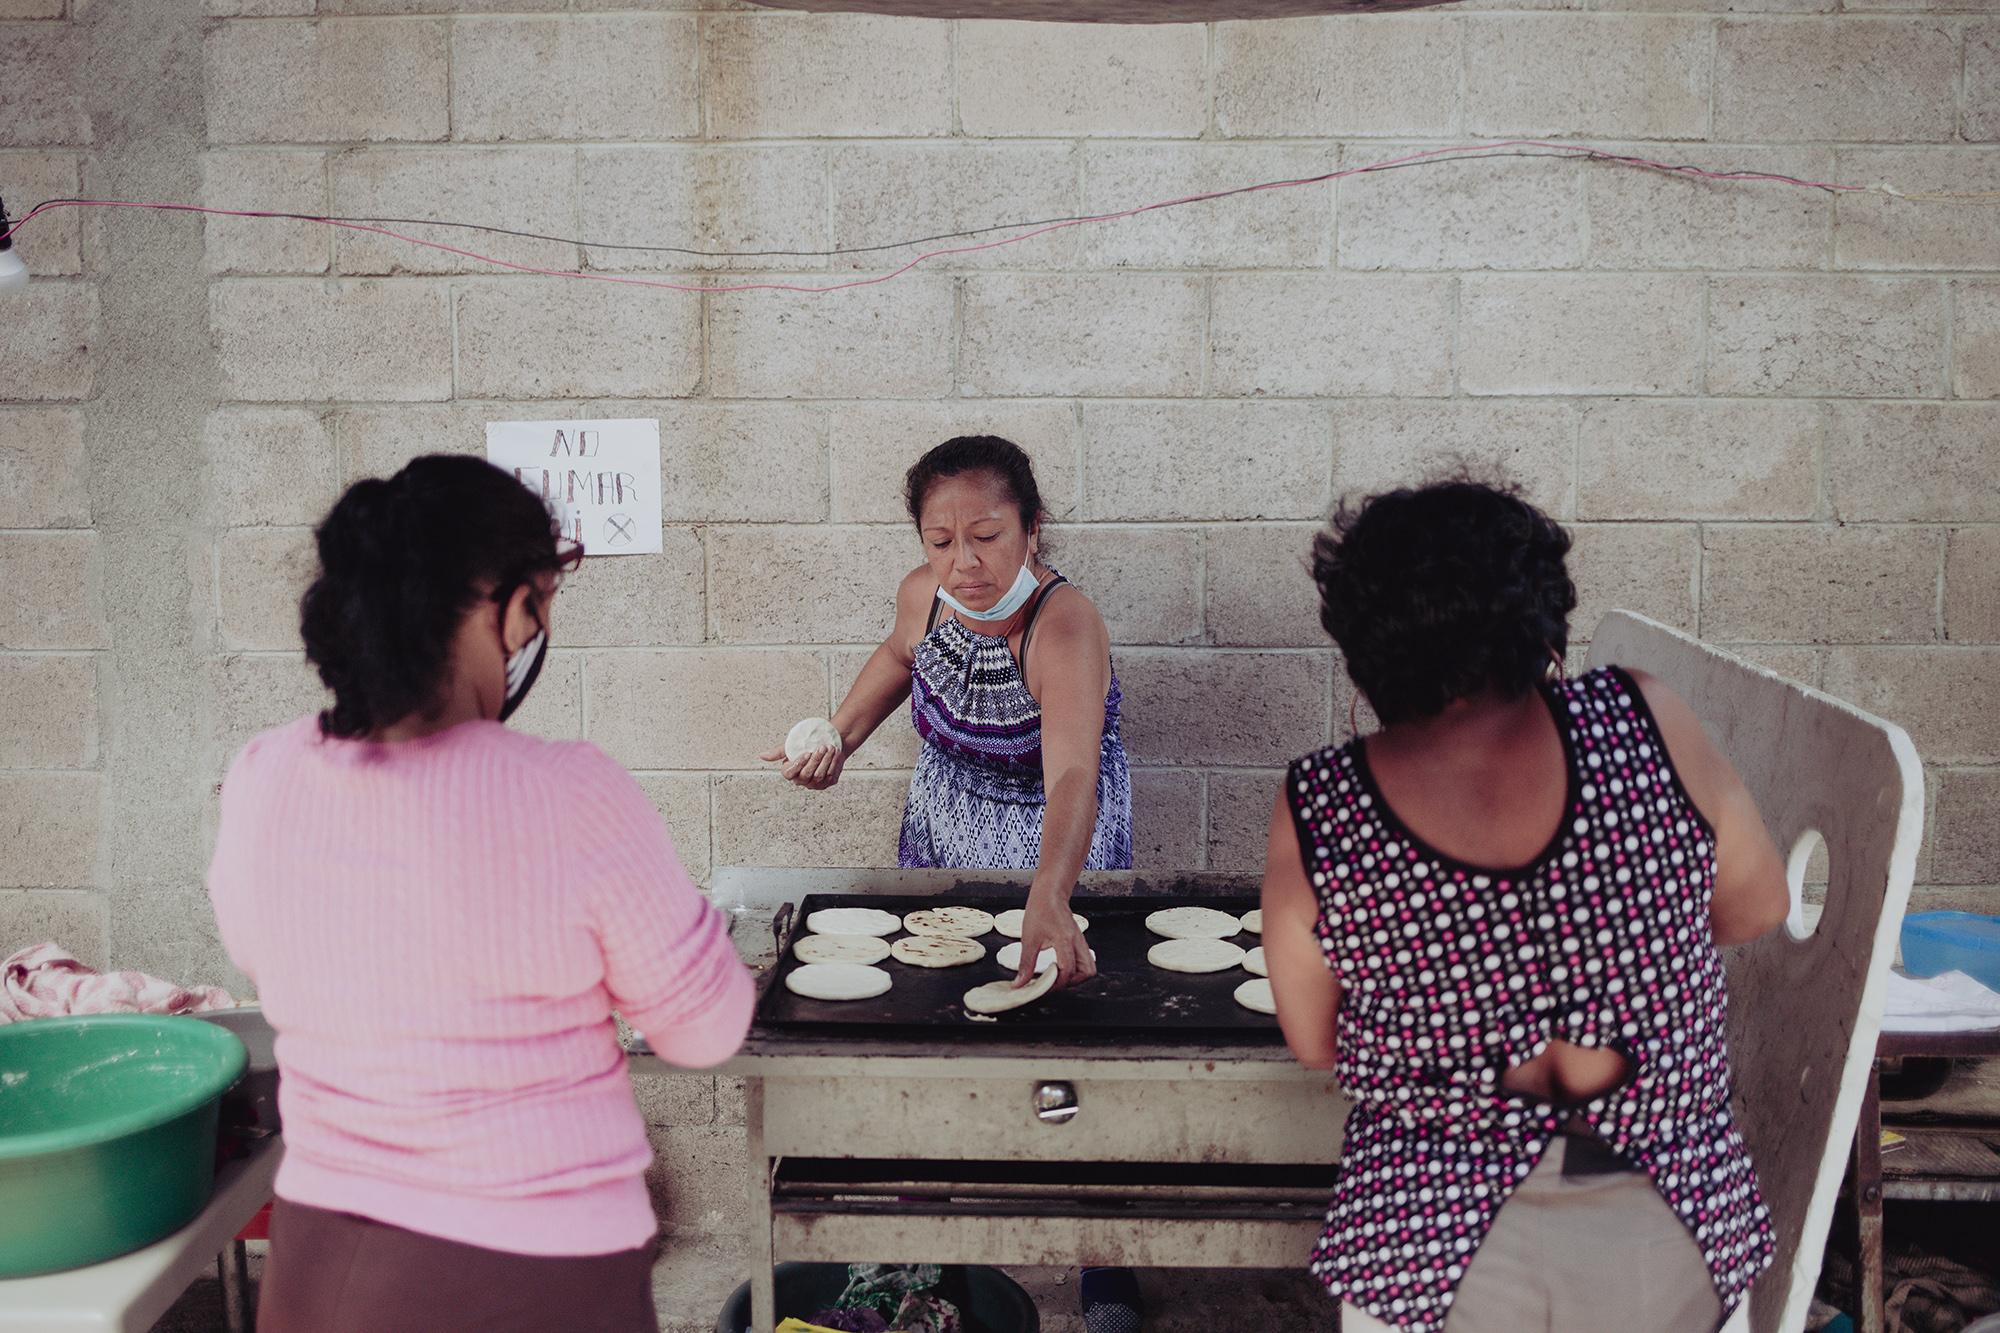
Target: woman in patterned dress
1496	920
1007	667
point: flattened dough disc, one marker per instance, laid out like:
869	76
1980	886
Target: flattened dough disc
1008	923
858	949
837	981
1195	955
997	997
1253	921
853	921
1193	923
1253	962
1256	994
936	951
810	734
966	923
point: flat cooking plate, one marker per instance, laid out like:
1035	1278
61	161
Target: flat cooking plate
1129	999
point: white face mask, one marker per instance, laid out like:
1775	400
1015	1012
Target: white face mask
1013	600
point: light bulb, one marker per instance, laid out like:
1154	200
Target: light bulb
13	273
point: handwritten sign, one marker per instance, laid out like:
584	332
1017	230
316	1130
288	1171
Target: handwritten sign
602	477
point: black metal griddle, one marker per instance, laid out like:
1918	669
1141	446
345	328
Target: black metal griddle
1128	1000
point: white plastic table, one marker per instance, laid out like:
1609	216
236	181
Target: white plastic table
131	1292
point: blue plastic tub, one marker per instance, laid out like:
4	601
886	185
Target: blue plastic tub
1935	942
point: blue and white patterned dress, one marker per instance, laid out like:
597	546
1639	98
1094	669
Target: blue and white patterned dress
976	798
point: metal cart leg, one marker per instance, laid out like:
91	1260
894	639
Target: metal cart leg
763	1294
239	1312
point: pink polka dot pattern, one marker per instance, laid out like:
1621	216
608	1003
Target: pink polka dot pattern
1453	973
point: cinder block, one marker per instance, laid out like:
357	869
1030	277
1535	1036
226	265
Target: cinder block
745	197
260	575
1239	817
44	470
826	76
682	800
740	462
269	466
1835	337
1651	568
1643	218
762	820
1296	336
895	744
332	81
934	189
1088	334
578	76
533	189
1641	76
231	9
438	6
253	692
1167	819
1145	582
1193	706
1972	586
1502	213
49	340
546	338
1379	446
1289	228
872	445
1965	835
51	245
1975	339
770	585
675	1098
1580	333
887	341
1982	82
1205	460
48	711
55	598
52	823
1915	462
1877	231
1926	690
31	9
378	441
1804	583
41	92
634	601
1260	591
76	919
264	180
1097	79
1373	74
701	708
697	1180
1717	460
290	341
729	1095
1802	665
1888	80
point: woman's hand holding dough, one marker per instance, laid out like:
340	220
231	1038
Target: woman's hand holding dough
1049	924
815	769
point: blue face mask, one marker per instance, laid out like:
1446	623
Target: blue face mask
1013	600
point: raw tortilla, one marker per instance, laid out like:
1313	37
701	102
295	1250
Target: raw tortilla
814	733
860	949
1253	921
937	951
1256	994
1009	957
836	981
1008	923
997	997
1193	923
1253	962
1195	955
853	921
967	923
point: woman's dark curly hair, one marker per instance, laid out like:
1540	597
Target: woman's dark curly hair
1003	459
400	563
1441	592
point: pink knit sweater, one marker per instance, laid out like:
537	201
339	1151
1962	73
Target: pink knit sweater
439	930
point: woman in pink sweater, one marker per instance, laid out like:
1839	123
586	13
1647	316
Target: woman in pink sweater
440	915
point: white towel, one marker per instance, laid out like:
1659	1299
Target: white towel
1948	1002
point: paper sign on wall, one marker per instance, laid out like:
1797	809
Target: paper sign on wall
602	477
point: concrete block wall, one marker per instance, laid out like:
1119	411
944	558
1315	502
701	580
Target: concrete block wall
1770	415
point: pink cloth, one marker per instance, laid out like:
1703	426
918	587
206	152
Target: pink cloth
42	981
439	931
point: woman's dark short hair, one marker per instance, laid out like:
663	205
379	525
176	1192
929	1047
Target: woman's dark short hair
400	563
1441	592
999	458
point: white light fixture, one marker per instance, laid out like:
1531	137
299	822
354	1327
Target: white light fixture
13	273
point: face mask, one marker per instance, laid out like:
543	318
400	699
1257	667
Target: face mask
522	668
1016	597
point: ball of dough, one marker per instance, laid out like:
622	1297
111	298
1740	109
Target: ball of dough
813	733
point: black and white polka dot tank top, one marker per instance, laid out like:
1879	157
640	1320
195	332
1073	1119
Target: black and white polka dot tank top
1453	973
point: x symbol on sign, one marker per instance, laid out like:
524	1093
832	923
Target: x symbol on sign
619	531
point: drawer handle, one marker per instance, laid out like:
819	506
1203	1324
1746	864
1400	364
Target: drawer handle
1055	1103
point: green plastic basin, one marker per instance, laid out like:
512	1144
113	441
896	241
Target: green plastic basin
107	1133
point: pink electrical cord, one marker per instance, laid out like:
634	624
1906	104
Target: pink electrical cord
1581	150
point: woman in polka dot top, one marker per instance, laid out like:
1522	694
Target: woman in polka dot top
1497	920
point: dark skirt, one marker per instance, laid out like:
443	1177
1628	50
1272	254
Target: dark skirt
334	1273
